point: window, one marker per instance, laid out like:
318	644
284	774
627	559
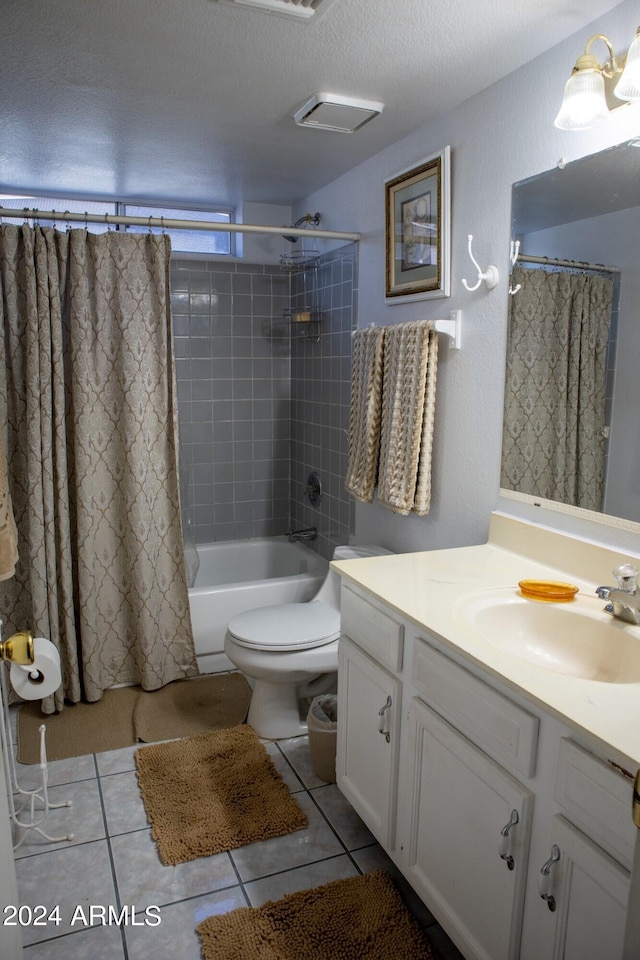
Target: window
187	241
57	203
194	242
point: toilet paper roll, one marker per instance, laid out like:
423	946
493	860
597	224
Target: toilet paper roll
40	678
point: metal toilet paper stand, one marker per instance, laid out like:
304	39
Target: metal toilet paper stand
35	804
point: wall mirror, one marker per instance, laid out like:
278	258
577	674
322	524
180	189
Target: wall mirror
572	398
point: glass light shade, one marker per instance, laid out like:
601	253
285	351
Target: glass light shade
584	104
628	86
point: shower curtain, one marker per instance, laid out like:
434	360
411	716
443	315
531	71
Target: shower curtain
87	390
554	412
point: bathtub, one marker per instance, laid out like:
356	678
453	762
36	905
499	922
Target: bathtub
238	575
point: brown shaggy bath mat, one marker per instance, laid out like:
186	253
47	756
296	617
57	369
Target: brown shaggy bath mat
213	792
361	918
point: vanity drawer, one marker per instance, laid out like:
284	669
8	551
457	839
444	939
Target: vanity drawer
597	799
496	724
372	629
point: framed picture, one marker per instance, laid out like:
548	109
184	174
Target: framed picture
418	203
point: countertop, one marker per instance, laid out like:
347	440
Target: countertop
431	588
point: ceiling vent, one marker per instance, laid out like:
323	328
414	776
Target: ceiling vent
302	10
331	111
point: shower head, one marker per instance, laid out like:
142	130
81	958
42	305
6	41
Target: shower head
308	218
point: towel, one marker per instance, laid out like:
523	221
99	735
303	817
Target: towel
408	407
365	413
8	532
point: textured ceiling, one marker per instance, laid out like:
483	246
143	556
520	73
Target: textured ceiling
192	100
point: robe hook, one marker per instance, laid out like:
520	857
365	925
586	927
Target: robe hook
490	276
514	253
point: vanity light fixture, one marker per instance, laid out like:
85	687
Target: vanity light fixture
590	94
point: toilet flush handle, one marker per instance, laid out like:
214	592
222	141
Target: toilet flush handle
383	719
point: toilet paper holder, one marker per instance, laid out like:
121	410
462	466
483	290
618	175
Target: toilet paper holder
19	649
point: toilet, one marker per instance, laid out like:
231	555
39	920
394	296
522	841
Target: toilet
289	652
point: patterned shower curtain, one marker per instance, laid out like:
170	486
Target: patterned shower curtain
554	413
87	390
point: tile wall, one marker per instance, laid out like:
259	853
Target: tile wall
260	406
320	395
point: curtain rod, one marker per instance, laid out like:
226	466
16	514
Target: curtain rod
581	264
165	224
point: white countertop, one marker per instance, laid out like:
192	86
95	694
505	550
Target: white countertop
429	588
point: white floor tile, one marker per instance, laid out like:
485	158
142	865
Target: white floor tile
283	767
143	879
58	772
175	936
296	750
302	878
116	761
69	878
83	819
315	842
342	817
123	804
98	943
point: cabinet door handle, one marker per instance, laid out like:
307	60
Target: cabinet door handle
545	879
505	840
383	725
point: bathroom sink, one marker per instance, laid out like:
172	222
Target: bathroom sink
577	638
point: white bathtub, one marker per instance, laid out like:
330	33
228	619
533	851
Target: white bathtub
238	575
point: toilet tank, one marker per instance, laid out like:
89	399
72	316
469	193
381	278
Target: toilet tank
329	592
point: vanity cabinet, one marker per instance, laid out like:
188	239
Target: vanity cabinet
369	705
482	801
463	808
590	892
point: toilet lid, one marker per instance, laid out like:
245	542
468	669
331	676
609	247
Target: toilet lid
287	626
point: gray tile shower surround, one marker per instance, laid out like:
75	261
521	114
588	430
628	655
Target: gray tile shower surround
113	860
259	405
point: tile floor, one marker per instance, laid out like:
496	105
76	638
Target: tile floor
112	860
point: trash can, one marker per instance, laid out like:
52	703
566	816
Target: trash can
322	723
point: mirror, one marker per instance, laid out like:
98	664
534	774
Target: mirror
584	212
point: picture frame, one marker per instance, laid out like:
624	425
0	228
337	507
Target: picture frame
417	232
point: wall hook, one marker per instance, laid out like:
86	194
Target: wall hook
490	275
514	253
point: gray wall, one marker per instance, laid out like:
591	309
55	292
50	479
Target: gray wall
502	135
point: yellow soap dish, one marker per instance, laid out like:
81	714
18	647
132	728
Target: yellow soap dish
551	591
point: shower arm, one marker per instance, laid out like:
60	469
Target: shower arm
307	218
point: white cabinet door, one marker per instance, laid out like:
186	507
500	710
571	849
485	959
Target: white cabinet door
590	892
369	701
462	801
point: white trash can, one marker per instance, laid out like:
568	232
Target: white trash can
322	723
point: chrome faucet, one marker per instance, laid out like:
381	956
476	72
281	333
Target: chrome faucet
624	600
309	533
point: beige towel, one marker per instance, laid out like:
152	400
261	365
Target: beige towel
408	406
8	532
365	414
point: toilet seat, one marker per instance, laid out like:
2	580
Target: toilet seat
286	627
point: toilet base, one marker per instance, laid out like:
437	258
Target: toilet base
274	711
